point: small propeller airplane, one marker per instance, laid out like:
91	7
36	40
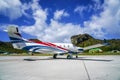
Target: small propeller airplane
18	42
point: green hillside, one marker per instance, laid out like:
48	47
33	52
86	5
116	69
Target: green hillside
83	40
114	45
7	47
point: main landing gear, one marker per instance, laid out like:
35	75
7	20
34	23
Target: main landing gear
54	56
70	56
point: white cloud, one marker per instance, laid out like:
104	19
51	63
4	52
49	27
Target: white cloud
55	31
3	27
60	13
97	5
59	32
80	10
108	23
12	9
40	17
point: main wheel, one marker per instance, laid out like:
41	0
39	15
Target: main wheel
55	56
69	56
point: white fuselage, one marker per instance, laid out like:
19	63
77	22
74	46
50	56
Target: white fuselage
68	46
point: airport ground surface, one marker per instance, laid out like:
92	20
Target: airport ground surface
46	68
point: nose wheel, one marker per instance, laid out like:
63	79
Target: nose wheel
76	56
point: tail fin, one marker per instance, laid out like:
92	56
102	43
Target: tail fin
15	37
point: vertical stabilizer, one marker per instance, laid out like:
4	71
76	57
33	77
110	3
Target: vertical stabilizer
15	37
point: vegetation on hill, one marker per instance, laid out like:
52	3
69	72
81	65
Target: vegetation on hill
114	45
7	47
83	40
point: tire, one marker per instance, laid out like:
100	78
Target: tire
54	56
69	56
76	56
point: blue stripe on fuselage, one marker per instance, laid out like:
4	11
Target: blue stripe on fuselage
12	38
18	41
41	47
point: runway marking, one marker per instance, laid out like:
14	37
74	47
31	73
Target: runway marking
86	70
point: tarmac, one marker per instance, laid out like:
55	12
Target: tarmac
46	68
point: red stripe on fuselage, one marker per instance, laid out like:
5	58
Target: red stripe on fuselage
49	44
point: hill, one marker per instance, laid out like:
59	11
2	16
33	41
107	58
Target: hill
83	40
7	47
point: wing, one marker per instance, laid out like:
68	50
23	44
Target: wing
95	46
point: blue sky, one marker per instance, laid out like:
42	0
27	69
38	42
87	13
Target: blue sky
58	20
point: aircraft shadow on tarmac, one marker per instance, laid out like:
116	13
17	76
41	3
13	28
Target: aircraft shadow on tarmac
80	58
